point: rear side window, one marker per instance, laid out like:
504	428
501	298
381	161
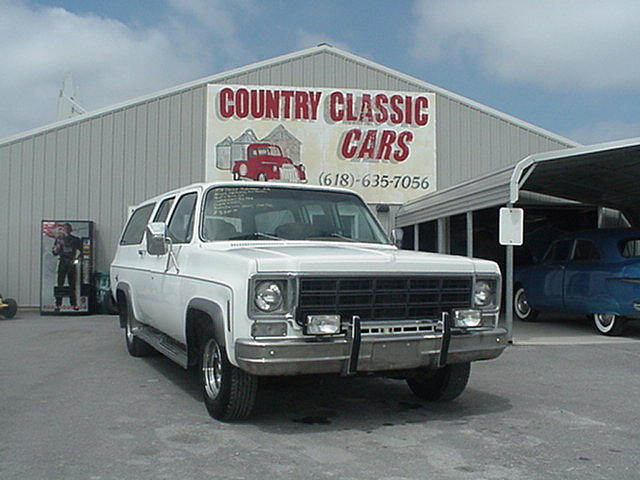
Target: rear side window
559	251
163	211
630	248
585	251
180	227
134	230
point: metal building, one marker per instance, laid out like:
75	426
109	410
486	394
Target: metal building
92	167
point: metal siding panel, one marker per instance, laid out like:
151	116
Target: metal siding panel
118	201
160	162
152	141
11	176
104	223
174	161
130	192
186	113
84	172
5	152
60	173
95	176
28	230
198	135
71	193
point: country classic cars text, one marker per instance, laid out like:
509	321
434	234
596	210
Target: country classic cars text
365	112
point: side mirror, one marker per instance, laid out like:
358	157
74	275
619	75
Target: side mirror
397	234
157	241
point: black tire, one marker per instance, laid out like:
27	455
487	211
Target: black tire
236	176
228	392
609	324
521	308
135	346
442	384
262	177
10	310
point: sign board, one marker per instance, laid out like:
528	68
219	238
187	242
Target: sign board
511	229
378	143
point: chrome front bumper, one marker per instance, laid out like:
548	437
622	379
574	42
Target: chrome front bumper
376	353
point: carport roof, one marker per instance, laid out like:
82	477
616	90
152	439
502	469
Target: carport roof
606	175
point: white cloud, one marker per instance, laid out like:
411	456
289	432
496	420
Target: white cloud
110	61
605	131
567	45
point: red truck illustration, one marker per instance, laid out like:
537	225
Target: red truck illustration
265	162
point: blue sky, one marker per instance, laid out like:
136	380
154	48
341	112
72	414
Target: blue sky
570	67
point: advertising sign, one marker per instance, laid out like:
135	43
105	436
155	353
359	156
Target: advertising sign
378	143
67	267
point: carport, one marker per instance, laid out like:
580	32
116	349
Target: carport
603	176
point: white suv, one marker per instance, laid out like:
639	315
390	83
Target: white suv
246	279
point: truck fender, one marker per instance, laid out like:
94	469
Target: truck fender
214	312
124	289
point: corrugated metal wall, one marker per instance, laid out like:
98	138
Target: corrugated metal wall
93	169
470	142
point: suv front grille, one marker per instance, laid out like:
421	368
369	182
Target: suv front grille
383	298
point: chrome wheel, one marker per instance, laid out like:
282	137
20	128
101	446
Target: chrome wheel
523	310
608	323
212	368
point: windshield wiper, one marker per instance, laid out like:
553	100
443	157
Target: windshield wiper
337	235
249	236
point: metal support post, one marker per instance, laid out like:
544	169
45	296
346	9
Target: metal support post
469	234
416	237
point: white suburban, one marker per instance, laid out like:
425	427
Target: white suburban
239	280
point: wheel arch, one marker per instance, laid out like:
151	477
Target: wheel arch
199	313
123	291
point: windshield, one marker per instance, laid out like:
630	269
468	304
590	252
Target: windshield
263	213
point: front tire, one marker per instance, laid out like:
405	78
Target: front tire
442	384
135	346
521	307
10	310
228	392
609	324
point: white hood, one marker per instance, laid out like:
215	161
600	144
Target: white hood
352	258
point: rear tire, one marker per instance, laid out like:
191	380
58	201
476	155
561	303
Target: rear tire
10	310
228	392
442	384
262	177
609	324
135	346
521	308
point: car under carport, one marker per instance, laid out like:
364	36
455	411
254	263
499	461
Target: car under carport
604	177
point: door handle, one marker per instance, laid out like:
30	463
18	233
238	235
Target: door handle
141	252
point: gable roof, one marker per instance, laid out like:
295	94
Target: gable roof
401	80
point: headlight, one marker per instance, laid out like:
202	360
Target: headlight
269	296
322	324
484	293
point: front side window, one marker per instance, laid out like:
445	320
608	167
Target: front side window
134	230
163	211
630	248
180	228
263	213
